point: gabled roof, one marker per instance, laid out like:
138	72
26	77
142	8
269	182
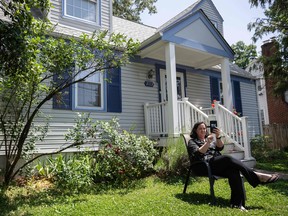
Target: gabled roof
194	31
198	42
191	9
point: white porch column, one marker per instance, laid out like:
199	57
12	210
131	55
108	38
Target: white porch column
226	83
171	90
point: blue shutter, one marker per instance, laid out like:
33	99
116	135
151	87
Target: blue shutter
214	88
237	97
114	94
63	100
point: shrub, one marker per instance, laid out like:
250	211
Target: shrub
174	159
123	156
261	151
68	172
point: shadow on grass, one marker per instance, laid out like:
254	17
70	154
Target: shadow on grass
200	199
205	199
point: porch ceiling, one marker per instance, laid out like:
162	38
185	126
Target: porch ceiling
184	55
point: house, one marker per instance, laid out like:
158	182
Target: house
276	108
182	67
256	69
273	110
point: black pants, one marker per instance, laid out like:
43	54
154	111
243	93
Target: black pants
230	168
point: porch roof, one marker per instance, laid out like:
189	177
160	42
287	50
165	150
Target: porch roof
197	42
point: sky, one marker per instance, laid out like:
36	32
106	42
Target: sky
235	13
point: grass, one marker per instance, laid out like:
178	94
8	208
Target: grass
278	163
150	196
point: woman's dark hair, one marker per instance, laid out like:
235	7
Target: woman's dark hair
193	133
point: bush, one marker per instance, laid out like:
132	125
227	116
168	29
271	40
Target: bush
261	151
123	156
69	172
173	160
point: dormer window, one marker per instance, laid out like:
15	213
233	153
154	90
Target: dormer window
83	10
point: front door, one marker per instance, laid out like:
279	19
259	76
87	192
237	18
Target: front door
163	85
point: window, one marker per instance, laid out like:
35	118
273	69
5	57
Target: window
85	10
89	93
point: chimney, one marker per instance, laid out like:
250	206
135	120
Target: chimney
268	47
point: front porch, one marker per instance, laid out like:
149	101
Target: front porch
234	129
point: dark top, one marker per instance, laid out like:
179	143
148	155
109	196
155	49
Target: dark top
195	155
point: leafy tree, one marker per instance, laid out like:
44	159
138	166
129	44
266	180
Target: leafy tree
276	22
30	60
131	9
243	53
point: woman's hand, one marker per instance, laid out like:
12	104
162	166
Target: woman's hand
219	142
210	138
217	132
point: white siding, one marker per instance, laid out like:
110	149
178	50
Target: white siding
198	89
250	107
134	95
73	27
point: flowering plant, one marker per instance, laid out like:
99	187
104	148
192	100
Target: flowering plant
236	113
213	103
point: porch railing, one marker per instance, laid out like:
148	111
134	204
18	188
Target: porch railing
188	115
156	123
233	127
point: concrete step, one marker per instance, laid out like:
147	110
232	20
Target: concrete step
249	162
235	154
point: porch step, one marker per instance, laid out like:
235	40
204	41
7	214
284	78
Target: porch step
229	149
235	154
250	162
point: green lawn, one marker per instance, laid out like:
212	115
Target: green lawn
279	163
150	196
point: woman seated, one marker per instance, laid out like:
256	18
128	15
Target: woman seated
202	147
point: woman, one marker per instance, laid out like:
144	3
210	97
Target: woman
202	147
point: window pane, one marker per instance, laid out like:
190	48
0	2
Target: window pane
85	15
69	10
92	7
89	94
82	9
77	12
92	17
85	5
69	2
77	3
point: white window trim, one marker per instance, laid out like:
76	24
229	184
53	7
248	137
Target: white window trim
76	106
98	13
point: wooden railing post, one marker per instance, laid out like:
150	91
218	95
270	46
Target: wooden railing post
217	114
187	120
247	149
